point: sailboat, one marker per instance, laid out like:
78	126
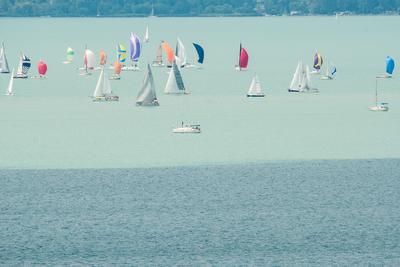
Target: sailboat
330	72
255	88
390	64
175	83
318	61
117	71
103	90
42	69
3	60
9	91
301	81
152	12
243	59
200	53
121	53
70	56
146	35
89	62
378	106
180	53
169	52
23	67
147	96
134	42
159	59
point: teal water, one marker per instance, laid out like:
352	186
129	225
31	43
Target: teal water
54	124
317	213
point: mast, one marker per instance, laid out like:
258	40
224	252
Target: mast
376	92
86	59
240	52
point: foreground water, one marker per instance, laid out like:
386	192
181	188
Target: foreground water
301	213
53	123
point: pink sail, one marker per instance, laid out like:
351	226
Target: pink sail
103	58
42	68
244	59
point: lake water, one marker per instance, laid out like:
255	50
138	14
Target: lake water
317	213
287	180
53	123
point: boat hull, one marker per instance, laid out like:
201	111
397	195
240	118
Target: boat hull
195	129
106	98
378	108
152	104
255	95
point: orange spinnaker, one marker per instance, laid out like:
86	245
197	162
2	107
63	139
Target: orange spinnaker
103	58
117	67
169	51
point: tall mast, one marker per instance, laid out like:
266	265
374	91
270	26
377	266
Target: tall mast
376	91
240	53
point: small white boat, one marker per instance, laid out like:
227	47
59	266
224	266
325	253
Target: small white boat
379	107
130	68
195	128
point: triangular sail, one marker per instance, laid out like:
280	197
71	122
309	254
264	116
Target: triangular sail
180	53
103	86
135	47
24	66
200	53
10	84
146	35
147	95
296	82
3	60
159	59
175	83
255	87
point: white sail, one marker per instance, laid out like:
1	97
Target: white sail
10	84
147	96
146	35
255	87
180	53
296	82
175	83
301	81
23	67
89	59
103	86
3	60
306	85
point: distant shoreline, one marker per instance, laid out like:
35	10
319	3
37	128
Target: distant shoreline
210	16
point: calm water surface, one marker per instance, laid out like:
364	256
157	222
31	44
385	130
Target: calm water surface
53	123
